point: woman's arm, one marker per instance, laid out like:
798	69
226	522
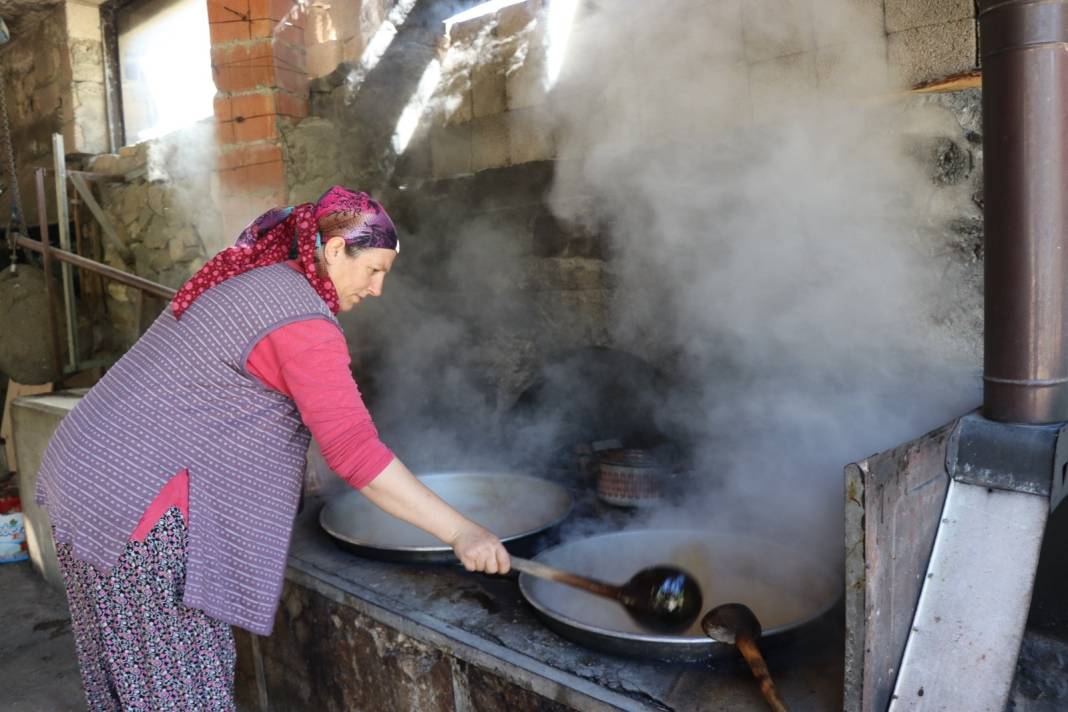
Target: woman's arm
308	361
398	492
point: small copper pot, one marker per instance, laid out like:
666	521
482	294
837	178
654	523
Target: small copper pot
631	477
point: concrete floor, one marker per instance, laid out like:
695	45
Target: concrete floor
38	669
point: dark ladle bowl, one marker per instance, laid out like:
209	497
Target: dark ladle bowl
662	598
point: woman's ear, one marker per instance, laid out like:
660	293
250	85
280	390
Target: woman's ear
334	249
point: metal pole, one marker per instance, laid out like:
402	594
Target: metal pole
46	257
1025	144
63	220
117	275
75	203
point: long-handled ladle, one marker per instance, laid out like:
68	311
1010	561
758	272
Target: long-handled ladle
735	623
662	598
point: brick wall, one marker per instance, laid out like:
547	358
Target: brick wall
258	62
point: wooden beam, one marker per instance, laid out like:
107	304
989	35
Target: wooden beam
953	82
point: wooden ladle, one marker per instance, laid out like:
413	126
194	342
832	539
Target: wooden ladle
735	623
662	598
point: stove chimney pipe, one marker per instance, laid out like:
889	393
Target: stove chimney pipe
1025	138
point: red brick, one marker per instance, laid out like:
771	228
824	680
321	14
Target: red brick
290	105
227	10
287	56
276	10
231	67
270	29
256	128
260	103
224	108
249	155
296	82
256	178
228	31
265	175
224	132
243	66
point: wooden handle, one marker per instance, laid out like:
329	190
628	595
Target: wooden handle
751	653
538	570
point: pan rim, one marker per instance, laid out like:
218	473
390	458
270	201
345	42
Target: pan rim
443	548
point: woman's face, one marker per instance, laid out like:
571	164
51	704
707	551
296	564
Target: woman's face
359	277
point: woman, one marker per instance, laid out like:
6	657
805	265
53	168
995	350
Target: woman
172	486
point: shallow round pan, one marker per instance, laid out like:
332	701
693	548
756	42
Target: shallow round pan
785	588
514	507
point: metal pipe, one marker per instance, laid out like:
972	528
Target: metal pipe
46	257
75	203
59	156
117	275
1025	135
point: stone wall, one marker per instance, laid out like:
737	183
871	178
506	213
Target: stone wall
368	666
165	212
54	83
37	90
85	123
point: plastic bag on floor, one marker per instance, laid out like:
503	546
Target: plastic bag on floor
12	531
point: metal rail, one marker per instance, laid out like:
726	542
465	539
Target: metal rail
117	275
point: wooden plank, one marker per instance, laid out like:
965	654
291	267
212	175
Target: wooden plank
953	82
16	390
900	493
855	566
94	207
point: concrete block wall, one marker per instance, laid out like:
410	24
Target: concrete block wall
486	111
930	39
489	108
340	32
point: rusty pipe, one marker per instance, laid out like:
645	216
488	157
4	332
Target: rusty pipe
1025	137
116	275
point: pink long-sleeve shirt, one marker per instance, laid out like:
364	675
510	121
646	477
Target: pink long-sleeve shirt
308	361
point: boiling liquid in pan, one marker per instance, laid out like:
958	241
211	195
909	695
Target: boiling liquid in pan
508	505
781	590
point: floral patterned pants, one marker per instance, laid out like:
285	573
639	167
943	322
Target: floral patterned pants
138	647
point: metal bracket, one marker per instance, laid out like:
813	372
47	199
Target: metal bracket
1010	456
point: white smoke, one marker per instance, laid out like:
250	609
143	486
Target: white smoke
772	240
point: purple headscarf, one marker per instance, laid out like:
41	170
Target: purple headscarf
353	216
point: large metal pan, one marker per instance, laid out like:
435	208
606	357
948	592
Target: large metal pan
785	588
517	508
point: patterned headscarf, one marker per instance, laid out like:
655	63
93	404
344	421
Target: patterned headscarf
267	240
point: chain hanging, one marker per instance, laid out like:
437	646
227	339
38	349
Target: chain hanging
15	224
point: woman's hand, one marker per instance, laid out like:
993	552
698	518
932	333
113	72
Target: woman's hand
397	491
479	550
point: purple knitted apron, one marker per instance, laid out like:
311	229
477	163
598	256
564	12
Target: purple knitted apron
181	398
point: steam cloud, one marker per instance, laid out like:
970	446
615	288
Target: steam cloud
773	239
776	250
